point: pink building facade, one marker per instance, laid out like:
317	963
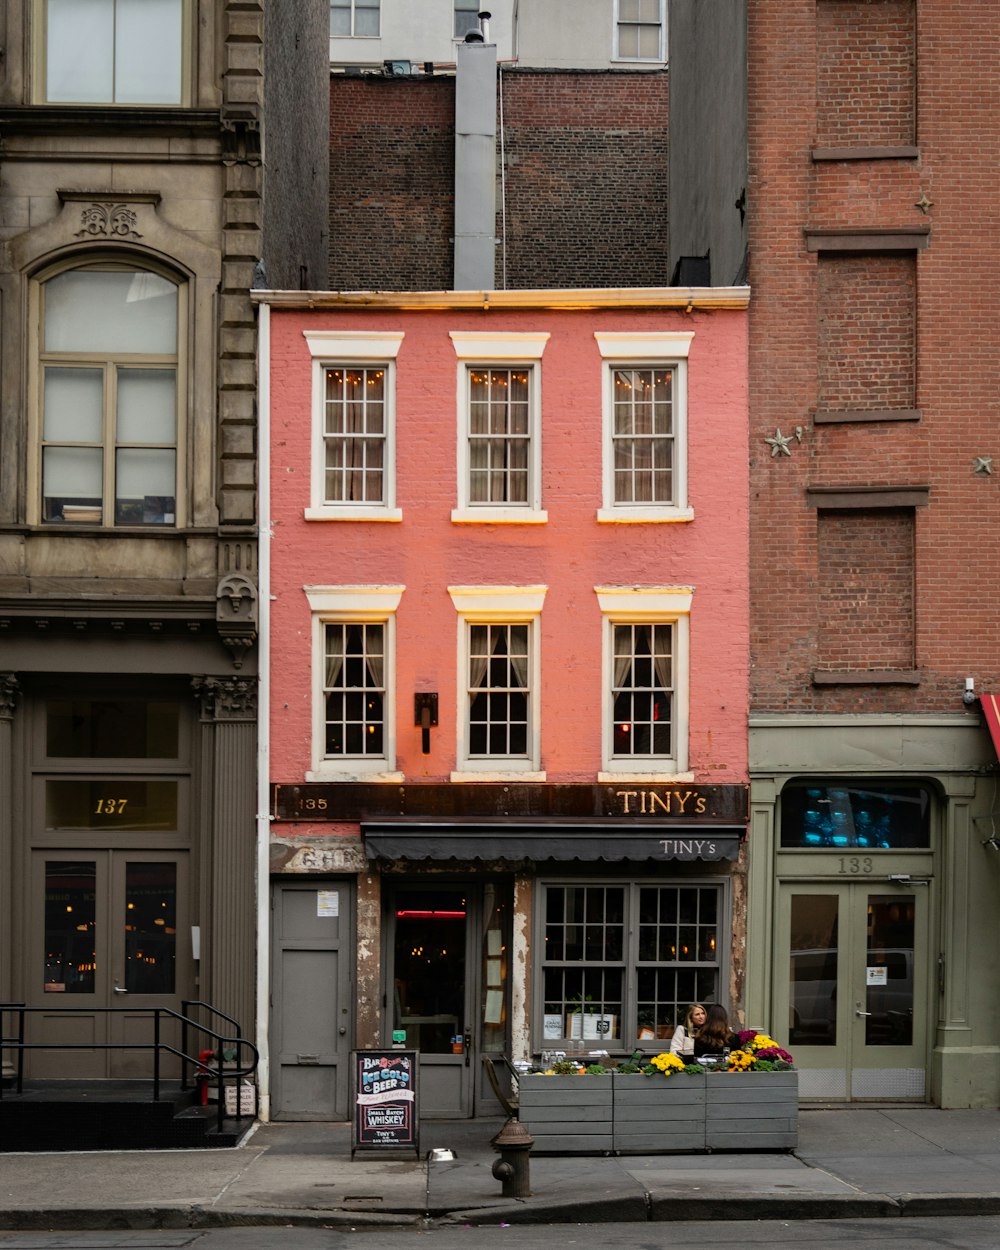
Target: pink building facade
506	555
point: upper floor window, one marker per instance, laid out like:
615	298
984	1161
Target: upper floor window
499	416
354	455
500	679
354	17
114	51
645	679
466	17
645	426
640	33
109	397
353	681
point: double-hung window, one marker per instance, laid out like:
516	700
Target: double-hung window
620	961
645	680
109	397
499	427
499	680
353	681
645	427
354	421
640	30
353	18
114	51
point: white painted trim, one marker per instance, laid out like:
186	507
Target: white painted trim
638	605
652	345
677	509
590	298
354	602
530	512
319	508
498	603
480	345
507	605
331	605
642	603
353	345
645	778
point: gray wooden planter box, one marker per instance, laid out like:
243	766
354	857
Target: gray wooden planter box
661	1115
567	1114
653	1115
751	1110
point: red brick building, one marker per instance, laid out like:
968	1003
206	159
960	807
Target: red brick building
873	142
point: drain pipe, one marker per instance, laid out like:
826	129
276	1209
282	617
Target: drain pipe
264	533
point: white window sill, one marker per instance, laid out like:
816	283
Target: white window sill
471	774
498	516
643	516
611	777
343	772
353	514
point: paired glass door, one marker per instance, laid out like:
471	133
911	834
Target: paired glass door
109	929
851	982
447	969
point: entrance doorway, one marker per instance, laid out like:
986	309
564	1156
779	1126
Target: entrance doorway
447	967
110	929
851	980
312	1029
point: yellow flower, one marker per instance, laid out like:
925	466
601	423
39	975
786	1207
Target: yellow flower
739	1061
667	1063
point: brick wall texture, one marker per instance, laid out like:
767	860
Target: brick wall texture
865	590
810	341
866	324
582	201
865	66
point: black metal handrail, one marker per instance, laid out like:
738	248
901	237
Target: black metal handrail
203	1068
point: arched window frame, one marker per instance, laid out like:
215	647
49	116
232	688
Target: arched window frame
110	362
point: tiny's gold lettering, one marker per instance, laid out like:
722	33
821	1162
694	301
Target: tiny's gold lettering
625	796
656	800
701	805
682	799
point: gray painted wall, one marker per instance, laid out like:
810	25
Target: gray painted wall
708	133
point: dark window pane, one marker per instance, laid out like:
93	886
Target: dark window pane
70	927
874	815
150	928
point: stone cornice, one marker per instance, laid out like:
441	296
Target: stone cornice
702	298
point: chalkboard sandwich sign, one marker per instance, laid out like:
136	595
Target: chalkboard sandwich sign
384	1096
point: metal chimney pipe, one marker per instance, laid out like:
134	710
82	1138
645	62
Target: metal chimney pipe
484	25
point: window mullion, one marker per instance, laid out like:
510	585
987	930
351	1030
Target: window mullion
108	486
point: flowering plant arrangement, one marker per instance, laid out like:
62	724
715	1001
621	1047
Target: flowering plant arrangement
758	1053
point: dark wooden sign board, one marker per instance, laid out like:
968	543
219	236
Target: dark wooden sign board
384	1097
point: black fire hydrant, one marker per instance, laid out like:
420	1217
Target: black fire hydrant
514	1144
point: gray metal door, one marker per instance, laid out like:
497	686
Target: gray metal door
312	1019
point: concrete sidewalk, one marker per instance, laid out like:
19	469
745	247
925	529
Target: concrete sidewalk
851	1163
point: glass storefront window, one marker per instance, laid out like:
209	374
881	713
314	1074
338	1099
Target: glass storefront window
150	927
623	962
812	973
870	815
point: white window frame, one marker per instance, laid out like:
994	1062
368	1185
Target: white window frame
457	35
499	605
353	5
655	605
654	350
330	349
41	64
368	605
476	349
644	60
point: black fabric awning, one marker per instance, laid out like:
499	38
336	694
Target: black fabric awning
507	840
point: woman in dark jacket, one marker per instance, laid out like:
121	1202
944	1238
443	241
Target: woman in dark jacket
715	1036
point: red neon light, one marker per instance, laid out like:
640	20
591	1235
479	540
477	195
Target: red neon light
431	915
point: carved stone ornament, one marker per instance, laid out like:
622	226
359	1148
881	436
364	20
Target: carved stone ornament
236	614
8	695
226	698
108	221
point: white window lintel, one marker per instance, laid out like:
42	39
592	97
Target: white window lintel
508	603
351	345
354	602
640	603
644	345
480	345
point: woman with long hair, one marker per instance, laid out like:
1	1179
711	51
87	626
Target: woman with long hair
715	1036
682	1042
